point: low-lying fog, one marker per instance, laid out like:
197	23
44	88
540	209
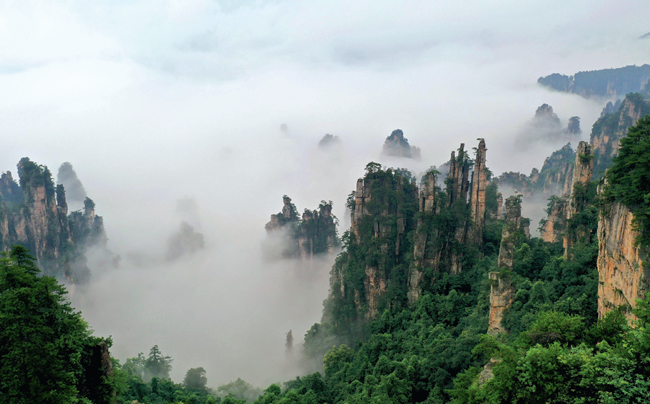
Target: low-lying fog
153	105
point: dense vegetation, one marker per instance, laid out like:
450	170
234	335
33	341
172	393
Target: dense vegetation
629	176
47	352
434	350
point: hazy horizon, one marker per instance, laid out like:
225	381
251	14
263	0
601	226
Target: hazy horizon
152	104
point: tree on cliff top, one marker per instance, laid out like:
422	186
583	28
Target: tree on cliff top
629	176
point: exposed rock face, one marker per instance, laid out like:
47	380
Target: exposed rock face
363	197
42	216
431	248
314	234
10	191
600	83
584	165
427	205
622	277
317	232
553	226
477	197
375	286
287	215
457	179
378	220
509	233
502	292
610	128
35	214
397	145
487	373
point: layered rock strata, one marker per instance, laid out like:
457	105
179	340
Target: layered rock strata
35	215
611	127
502	292
622	275
477	196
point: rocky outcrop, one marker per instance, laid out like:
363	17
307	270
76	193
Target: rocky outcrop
510	231
363	196
502	292
457	179
622	277
282	220
477	196
35	214
584	164
314	234
375	286
44	229
10	191
396	145
610	128
317	232
600	83
552	228
427	207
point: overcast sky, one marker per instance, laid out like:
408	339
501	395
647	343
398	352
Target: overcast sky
153	101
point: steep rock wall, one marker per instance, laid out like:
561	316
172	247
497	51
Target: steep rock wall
610	128
622	277
502	292
35	215
477	196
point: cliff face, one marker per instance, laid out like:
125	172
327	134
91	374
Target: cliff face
314	234
35	215
44	229
427	207
502	292
477	197
397	145
553	226
380	223
621	273
317	231
611	127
